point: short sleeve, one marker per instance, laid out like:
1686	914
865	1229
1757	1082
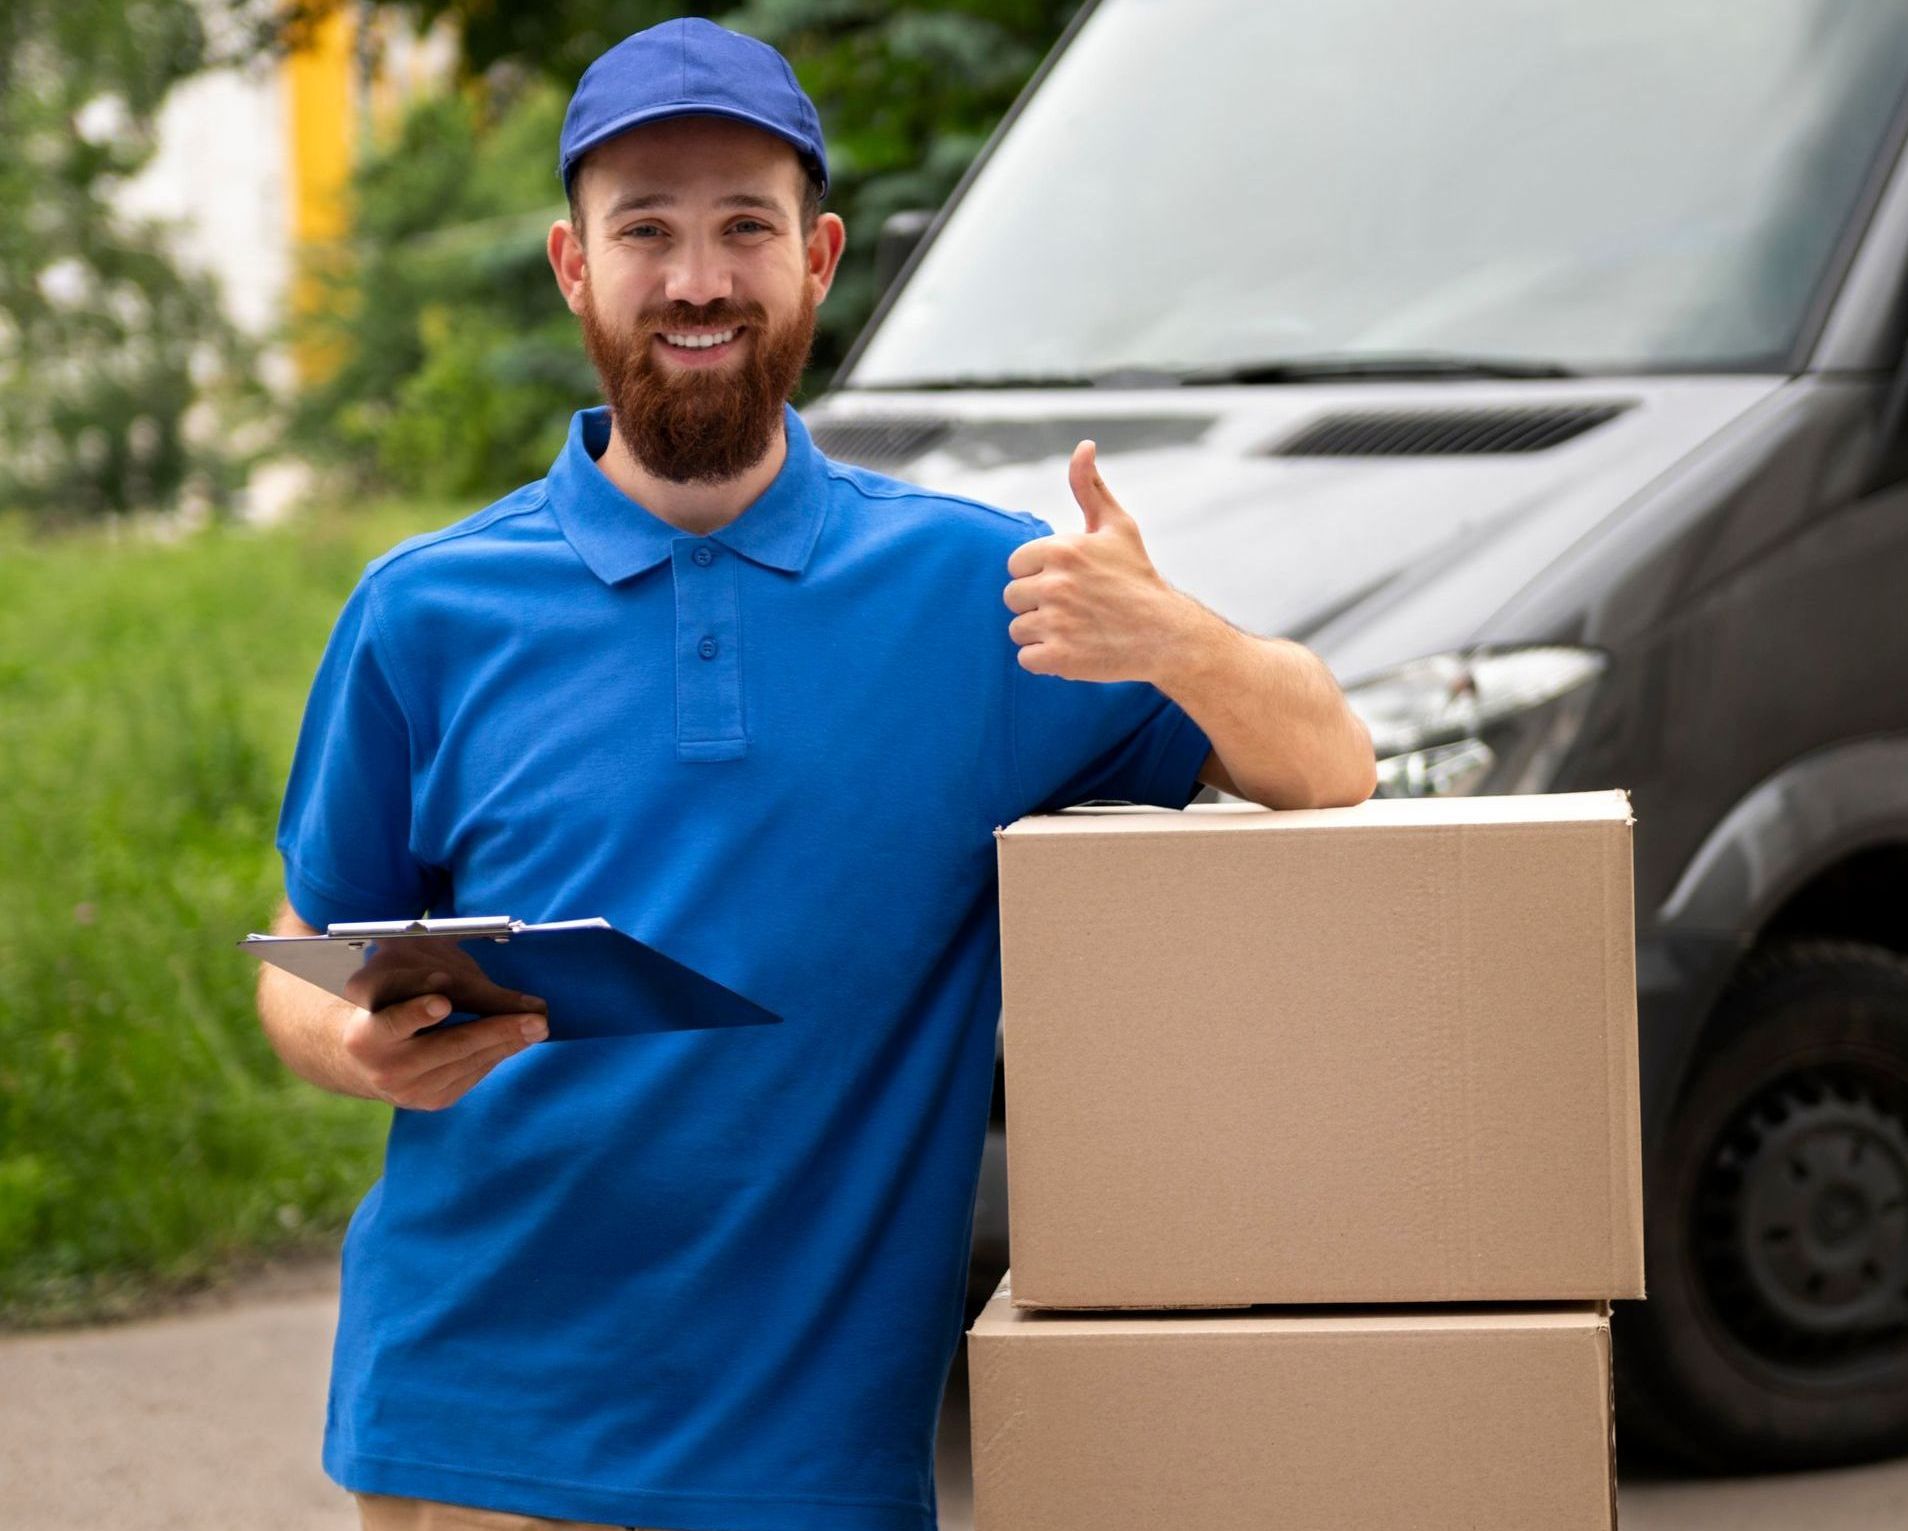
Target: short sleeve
344	829
1076	740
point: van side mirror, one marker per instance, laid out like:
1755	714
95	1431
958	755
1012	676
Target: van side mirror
900	233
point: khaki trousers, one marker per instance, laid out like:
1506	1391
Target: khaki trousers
389	1512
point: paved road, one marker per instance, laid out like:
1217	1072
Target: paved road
209	1420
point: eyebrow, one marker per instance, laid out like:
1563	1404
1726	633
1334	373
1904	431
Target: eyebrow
636	202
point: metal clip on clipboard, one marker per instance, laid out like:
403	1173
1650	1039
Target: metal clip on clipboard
595	980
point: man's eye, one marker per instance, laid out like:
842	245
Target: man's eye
642	228
745	224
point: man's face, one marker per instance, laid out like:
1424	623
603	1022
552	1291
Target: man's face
697	290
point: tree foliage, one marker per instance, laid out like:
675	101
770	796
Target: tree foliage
457	363
104	344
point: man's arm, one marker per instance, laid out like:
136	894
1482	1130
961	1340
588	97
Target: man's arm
304	1023
379	1055
1091	606
1282	732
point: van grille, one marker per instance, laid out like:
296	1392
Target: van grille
880	443
887	442
1446	432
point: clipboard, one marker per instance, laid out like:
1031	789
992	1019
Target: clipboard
595	980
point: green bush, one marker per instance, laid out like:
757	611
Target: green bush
149	701
458	363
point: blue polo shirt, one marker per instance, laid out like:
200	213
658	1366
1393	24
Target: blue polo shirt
704	1280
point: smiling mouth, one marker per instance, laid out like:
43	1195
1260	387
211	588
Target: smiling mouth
691	340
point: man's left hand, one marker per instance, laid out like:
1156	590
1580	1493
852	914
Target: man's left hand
1091	605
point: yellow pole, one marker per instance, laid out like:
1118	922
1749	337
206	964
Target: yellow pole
318	93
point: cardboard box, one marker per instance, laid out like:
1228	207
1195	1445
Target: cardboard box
1484	1419
1373	1054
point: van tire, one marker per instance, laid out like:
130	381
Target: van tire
1775	1334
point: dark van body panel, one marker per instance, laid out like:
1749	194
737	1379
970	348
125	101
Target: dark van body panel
1723	546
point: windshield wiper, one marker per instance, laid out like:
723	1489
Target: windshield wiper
1374	365
1115	377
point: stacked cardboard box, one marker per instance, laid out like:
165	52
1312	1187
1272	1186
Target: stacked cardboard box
1377	1061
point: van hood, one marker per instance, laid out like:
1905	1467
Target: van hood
1372	521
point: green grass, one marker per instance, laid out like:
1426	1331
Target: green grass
149	700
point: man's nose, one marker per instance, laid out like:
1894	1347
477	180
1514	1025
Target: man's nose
698	276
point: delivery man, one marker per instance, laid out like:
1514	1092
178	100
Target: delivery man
762	710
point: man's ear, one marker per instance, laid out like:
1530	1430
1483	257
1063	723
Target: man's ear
565	249
824	252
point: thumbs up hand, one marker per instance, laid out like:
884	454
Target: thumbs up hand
1090	604
1095	500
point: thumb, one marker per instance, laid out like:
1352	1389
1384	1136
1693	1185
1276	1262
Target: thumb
1089	489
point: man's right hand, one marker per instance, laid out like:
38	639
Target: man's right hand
431	1071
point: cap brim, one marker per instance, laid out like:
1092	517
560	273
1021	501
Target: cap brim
687	109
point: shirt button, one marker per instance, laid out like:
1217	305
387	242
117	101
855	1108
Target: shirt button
703	556
707	648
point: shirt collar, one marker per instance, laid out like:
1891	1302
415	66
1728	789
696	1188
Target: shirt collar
618	536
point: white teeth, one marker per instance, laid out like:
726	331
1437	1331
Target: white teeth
700	342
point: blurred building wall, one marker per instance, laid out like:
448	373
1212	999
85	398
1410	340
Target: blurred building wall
252	159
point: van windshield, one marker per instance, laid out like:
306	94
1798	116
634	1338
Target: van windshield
1213	188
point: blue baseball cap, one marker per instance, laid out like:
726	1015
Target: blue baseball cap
688	67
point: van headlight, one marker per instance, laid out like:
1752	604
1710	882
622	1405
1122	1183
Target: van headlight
1496	720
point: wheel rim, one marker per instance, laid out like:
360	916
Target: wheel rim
1802	1217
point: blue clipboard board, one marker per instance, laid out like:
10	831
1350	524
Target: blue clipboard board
595	980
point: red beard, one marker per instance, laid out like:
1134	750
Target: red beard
701	425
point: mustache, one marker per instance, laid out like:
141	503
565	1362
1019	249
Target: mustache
719	315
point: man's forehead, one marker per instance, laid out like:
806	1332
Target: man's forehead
634	199
705	159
